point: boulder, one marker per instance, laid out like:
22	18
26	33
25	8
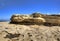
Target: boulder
36	15
16	18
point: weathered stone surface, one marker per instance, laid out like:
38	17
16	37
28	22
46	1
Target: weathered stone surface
35	18
12	32
36	15
16	18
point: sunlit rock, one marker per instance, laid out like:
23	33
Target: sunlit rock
35	18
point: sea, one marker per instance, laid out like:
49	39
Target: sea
3	20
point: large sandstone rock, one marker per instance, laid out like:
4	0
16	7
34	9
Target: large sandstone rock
18	18
36	15
35	18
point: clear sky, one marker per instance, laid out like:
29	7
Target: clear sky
9	7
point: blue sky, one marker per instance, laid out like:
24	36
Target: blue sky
10	7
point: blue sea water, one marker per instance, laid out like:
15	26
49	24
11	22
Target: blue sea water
4	20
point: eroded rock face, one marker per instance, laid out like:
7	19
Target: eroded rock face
15	18
35	18
36	15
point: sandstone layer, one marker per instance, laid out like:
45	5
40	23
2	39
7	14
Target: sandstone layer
16	32
35	18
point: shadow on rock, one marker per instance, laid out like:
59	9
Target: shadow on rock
10	35
26	23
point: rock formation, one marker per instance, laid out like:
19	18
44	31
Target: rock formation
12	32
35	18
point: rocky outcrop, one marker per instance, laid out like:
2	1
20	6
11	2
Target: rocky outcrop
35	18
12	32
16	18
36	15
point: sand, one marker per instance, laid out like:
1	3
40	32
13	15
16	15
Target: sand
17	32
